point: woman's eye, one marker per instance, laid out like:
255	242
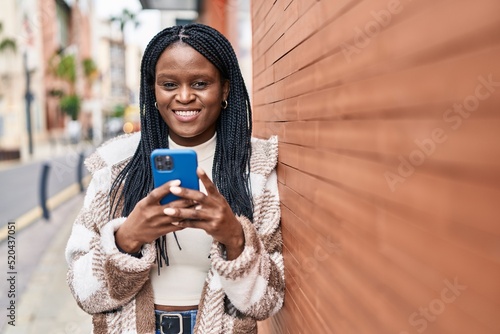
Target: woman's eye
169	85
200	84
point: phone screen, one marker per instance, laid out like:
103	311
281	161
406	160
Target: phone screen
170	165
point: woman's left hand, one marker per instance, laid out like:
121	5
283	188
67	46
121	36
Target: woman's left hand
212	214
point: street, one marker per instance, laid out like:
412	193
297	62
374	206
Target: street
41	300
20	194
21	184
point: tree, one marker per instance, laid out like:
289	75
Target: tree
7	43
90	71
63	66
70	104
66	69
119	111
89	68
123	19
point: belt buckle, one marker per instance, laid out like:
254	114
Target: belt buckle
172	315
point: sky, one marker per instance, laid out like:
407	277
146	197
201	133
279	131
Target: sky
149	19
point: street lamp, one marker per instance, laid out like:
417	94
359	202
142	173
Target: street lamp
28	98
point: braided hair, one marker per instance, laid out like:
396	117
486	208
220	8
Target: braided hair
231	166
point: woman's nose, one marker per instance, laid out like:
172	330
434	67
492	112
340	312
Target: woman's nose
185	94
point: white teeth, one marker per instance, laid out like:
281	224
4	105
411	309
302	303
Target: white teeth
186	113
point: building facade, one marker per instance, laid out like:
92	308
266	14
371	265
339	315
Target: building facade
66	32
69	52
44	31
21	24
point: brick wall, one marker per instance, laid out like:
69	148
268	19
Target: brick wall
388	120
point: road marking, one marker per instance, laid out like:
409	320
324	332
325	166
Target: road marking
36	213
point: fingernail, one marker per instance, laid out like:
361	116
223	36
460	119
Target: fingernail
200	170
175	190
198	207
174	183
169	211
175	223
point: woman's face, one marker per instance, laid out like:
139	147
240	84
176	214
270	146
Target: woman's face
189	91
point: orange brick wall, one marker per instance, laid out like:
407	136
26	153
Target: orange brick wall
388	118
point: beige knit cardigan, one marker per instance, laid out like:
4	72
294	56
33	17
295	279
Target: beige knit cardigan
115	288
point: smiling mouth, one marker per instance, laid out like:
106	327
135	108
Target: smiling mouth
186	113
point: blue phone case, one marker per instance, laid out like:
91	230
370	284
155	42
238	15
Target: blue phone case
174	165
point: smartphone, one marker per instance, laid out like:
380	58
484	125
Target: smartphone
170	165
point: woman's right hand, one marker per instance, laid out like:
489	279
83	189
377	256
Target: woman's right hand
147	221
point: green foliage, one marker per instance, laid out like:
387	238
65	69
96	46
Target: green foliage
70	104
119	110
89	67
7	43
125	17
56	93
66	68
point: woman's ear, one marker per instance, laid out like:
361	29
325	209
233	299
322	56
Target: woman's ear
225	89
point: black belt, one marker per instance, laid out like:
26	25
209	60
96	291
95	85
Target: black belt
173	323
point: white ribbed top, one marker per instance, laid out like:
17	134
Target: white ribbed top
181	283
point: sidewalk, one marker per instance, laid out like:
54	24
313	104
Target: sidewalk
47	306
64	160
43	150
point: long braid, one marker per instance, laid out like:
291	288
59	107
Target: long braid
231	165
234	127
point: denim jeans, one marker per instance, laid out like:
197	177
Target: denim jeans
192	313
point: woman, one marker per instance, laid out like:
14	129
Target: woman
211	261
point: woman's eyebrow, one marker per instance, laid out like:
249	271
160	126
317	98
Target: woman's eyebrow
190	76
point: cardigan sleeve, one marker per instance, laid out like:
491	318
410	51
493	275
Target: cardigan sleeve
254	282
101	278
